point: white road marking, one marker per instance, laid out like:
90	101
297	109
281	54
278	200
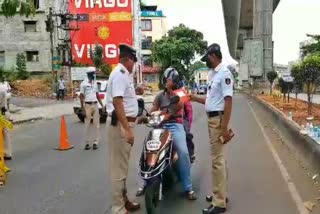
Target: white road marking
292	188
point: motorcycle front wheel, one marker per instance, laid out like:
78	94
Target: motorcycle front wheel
152	198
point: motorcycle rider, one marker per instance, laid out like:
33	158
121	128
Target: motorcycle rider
174	123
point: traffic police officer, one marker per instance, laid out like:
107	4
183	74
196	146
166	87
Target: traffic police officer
89	98
218	105
122	108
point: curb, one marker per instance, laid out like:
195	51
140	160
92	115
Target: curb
27	120
303	146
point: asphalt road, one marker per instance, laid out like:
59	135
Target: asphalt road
75	182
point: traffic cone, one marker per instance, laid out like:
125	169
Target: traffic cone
64	142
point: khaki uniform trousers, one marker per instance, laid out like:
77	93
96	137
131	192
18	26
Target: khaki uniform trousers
119	155
7	142
92	111
219	167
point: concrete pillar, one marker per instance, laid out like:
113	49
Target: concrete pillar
262	28
232	10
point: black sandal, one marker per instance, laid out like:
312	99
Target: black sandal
191	195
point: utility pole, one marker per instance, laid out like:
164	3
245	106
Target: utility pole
67	27
137	37
64	24
50	29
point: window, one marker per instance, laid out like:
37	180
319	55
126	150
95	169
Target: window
32	56
151	78
147	60
2	58
146	25
36	4
146	43
30	26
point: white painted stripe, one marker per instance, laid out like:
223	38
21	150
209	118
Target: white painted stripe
292	188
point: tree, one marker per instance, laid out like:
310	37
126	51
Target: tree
233	70
272	75
296	73
97	57
289	86
106	69
311	48
178	48
197	65
23	7
22	72
311	76
283	88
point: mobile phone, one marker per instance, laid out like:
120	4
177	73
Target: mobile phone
231	133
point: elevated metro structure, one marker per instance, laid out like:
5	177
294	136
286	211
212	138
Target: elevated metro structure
250	20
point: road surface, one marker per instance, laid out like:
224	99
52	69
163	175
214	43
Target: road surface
75	182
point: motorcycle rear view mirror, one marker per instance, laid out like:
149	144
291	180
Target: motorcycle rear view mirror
174	100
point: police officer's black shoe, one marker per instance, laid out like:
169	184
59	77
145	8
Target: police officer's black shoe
95	146
209	199
87	147
214	210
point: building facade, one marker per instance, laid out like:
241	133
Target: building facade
153	27
201	76
28	35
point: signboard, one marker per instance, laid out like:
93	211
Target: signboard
101	22
253	56
287	78
56	63
157	13
78	73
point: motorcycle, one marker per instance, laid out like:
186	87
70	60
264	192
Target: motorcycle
158	159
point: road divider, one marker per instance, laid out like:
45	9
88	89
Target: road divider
302	146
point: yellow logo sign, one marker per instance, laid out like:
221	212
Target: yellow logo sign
103	33
119	17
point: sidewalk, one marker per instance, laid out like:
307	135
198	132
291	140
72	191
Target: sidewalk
49	111
304	97
22	114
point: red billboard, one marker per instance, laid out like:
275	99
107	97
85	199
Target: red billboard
101	22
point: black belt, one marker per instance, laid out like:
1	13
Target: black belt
90	103
215	113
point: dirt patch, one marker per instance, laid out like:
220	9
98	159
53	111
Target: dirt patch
39	88
298	108
32	88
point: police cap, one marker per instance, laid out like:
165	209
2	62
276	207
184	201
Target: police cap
91	70
212	49
127	51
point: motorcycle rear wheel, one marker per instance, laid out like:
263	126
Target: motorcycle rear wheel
152	198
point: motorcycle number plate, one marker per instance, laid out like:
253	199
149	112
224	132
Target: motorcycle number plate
153	145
